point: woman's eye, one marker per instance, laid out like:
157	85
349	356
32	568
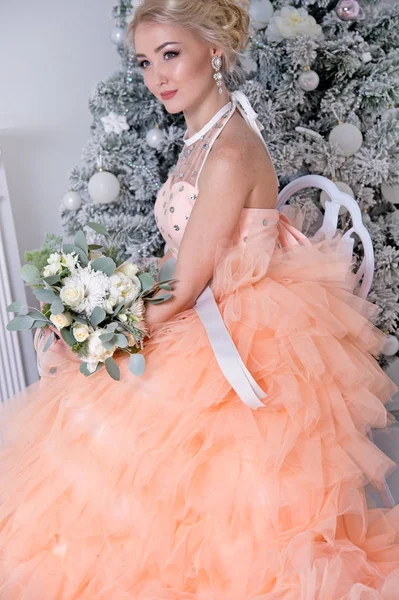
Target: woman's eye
142	63
171	52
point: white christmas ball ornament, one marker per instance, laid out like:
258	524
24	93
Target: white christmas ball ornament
347	137
72	200
308	80
343	187
104	187
390	193
261	12
155	138
118	36
391	346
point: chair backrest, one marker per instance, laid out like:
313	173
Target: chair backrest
330	222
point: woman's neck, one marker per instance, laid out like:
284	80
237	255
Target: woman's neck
202	112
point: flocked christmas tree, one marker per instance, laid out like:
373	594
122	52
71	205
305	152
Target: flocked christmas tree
324	79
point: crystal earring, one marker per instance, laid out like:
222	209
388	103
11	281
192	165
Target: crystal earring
217	65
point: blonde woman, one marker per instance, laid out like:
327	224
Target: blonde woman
235	468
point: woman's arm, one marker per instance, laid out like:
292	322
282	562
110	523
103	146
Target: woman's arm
225	186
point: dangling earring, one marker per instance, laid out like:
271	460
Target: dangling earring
217	65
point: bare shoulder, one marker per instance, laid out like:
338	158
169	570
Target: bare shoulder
240	155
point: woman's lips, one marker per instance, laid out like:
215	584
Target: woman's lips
168	95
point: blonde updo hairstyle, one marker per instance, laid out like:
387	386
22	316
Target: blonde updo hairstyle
224	23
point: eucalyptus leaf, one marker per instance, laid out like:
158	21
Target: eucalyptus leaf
50	340
80	319
80	241
109	345
105	265
38	316
106	337
19	323
83	369
118	309
147	281
68	336
45	295
165	286
57	306
98	228
29	273
121	340
167	269
14	307
52	279
112	326
113	369
95	246
97	316
137	364
160	299
40	324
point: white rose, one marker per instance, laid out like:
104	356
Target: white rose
81	332
290	22
62	320
72	293
95	350
125	288
128	269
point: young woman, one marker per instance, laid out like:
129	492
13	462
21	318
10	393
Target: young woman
236	467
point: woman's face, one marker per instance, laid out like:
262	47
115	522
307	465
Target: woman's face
174	59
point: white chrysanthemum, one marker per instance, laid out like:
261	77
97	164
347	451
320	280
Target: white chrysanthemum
290	22
95	286
70	261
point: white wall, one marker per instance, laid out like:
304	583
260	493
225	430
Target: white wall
52	54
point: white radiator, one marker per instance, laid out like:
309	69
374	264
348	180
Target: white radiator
12	378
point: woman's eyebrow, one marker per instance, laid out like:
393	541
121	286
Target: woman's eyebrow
159	48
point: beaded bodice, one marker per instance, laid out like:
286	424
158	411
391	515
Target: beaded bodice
176	197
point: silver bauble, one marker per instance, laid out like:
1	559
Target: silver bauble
347	137
118	36
344	187
391	346
261	12
155	138
72	200
104	187
308	80
390	193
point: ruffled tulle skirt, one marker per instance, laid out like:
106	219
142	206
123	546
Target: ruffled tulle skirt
168	487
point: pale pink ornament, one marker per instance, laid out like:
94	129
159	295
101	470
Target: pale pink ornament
347	10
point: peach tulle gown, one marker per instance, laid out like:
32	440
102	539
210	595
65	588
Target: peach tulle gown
174	486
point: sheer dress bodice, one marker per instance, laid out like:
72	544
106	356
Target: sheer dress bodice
176	197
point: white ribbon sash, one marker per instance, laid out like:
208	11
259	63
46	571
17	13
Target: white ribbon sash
227	356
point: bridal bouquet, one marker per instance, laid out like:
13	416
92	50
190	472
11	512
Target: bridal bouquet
95	301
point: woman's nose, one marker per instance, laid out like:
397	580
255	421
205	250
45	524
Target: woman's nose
160	76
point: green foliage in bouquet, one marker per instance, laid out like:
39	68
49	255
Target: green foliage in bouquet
95	302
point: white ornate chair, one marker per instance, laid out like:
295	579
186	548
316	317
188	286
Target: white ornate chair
330	222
